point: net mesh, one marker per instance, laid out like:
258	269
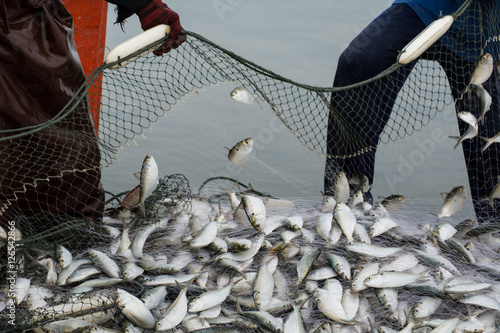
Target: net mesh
337	122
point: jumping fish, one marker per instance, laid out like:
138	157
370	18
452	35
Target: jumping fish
485	99
453	202
341	187
362	181
393	203
241	151
242	95
148	180
472	130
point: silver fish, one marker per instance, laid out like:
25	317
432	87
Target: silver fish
453	202
82	274
168	280
22	287
372	250
51	270
66	273
425	307
340	265
176	312
322	273
134	309
209	299
391	279
447	326
263	287
98	283
471	131
341	187
483	69
294	223
306	263
444	231
238	211
63	256
256	211
139	240
245	255
345	219
153	298
206	236
393	203
241	151
357	284
130	271
148	180
294	323
486	101
362	181
106	264
494	194
264	319
356	199
382	225
242	95
466	288
483	301
67	325
388	297
330	306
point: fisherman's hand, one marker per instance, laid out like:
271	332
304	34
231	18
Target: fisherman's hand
155	13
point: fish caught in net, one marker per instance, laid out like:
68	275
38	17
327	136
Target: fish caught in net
247	261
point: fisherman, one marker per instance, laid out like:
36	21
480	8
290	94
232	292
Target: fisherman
375	49
55	168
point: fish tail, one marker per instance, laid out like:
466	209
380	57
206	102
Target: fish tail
487	199
488	143
458	141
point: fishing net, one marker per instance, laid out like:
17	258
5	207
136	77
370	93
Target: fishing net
338	123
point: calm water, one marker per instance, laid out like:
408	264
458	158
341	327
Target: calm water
299	40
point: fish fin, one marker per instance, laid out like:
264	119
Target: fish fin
488	199
137	175
444	194
459	141
488	143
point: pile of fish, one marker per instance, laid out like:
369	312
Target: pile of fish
261	264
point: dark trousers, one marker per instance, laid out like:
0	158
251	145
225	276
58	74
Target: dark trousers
359	115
